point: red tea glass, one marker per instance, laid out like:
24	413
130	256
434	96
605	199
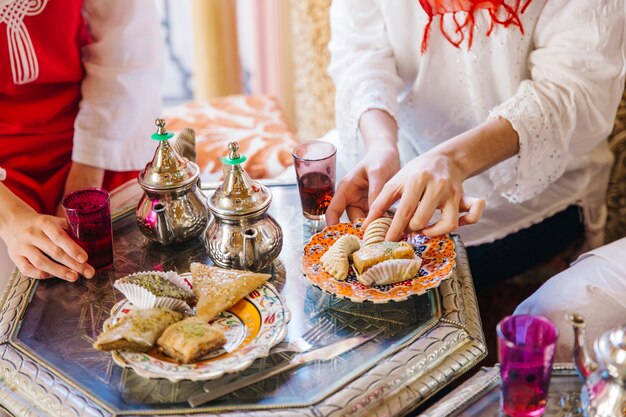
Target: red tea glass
526	346
315	164
88	213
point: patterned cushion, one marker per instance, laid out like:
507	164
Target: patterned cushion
255	121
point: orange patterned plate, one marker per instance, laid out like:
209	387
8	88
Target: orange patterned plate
438	261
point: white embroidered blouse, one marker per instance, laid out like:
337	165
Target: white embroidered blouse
559	85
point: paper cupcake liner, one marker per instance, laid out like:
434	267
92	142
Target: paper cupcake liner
142	298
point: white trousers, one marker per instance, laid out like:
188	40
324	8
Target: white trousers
594	286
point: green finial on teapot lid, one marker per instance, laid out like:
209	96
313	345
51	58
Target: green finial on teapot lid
161	133
234	158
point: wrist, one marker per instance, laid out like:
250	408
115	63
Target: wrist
13	206
456	158
378	130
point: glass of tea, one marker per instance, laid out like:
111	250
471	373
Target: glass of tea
526	345
88	213
315	163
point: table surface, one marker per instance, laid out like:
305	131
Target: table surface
49	367
480	396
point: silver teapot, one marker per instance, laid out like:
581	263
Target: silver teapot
172	208
604	391
241	234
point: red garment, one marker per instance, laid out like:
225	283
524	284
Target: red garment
40	79
502	12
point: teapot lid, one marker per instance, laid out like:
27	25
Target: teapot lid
167	170
611	352
238	195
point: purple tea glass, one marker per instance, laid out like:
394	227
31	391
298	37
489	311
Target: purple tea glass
88	213
526	346
315	164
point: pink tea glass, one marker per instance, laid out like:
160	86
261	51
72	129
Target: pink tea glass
88	213
526	346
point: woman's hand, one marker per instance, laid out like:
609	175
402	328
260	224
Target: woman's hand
434	180
38	244
429	182
360	187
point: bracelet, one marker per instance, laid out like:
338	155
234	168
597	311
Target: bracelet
3	174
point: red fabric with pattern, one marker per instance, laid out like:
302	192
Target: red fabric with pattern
461	12
37	117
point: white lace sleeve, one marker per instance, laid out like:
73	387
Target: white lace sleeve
121	91
569	105
362	64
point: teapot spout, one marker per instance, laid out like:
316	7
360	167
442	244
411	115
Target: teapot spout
164	232
249	255
584	364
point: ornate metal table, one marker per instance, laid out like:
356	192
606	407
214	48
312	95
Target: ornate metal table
480	395
48	366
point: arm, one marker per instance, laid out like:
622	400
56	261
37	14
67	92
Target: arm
563	112
568	106
364	71
434	181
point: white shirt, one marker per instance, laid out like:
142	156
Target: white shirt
559	84
121	91
594	286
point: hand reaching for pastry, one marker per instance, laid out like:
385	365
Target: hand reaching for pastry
360	187
427	183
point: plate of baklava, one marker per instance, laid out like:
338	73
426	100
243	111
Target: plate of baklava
348	262
195	326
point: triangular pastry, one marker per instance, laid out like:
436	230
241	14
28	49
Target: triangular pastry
218	289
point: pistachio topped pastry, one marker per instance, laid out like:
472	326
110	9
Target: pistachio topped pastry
190	339
371	255
137	331
159	286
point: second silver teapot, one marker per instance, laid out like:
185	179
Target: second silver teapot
604	391
241	234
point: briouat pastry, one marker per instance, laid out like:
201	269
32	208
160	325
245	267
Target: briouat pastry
218	289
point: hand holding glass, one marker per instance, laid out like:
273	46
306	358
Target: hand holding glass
526	346
88	214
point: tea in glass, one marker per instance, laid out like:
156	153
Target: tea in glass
88	213
315	165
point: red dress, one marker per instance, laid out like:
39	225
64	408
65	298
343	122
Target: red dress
40	81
